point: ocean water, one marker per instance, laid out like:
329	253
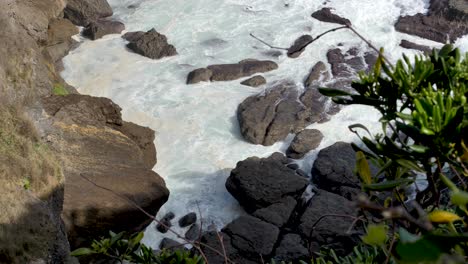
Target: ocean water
197	134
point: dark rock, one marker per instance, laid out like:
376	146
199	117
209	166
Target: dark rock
303	142
316	103
326	15
188	219
82	12
299	46
252	236
277	214
302	173
370	58
164	225
334	167
330	231
317	74
169	216
167	243
229	72
150	44
447	20
255	81
258	183
98	29
273	53
199	75
410	45
133	36
293	166
291	248
279	157
193	233
221	242
345	65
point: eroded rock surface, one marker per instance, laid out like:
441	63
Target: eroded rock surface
254	81
82	12
150	44
326	15
303	142
100	28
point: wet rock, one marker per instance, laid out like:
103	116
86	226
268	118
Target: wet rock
299	46
345	65
302	173
252	236
193	233
303	142
167	243
254	81
318	73
133	36
221	242
447	20
410	45
329	231
188	219
291	248
82	12
150	44
165	223
326	15
334	167
229	72
98	29
277	214
273	53
257	183
293	166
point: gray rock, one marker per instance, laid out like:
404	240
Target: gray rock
82	12
345	65
293	166
98	29
150	44
254	81
188	219
221	242
133	36
330	231
410	45
199	75
303	142
164	225
291	248
299	46
167	243
326	15
252	236
257	183
193	233
318	73
277	214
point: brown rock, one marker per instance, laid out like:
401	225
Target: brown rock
326	15
303	142
82	12
299	46
318	73
150	44
199	75
410	45
254	81
98	29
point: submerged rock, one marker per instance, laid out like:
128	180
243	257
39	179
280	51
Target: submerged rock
100	28
257	183
254	81
150	44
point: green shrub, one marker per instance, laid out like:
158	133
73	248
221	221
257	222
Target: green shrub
424	131
59	90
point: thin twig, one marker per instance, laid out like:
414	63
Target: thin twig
369	44
221	241
264	42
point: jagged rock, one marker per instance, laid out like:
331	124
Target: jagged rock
193	233
303	142
326	15
98	29
277	214
199	75
255	81
86	131
446	20
221	242
317	74
252	236
82	12
257	183
188	219
291	248
330	231
334	167
59	41
229	72
345	65
150	44
410	45
299	46
167	243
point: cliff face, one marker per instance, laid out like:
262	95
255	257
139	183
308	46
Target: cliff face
52	140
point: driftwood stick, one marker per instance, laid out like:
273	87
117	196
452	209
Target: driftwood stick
264	42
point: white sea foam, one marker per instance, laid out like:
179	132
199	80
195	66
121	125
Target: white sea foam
197	134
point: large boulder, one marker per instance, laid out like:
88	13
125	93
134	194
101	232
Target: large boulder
150	44
277	214
229	72
252	236
257	183
326	15
97	147
291	248
100	28
322	227
447	20
216	246
82	12
303	142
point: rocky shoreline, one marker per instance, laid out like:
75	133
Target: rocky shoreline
94	146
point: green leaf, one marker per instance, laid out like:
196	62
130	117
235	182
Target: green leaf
419	148
387	185
82	252
333	92
409	164
362	168
376	235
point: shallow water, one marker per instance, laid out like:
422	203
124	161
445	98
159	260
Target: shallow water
197	135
